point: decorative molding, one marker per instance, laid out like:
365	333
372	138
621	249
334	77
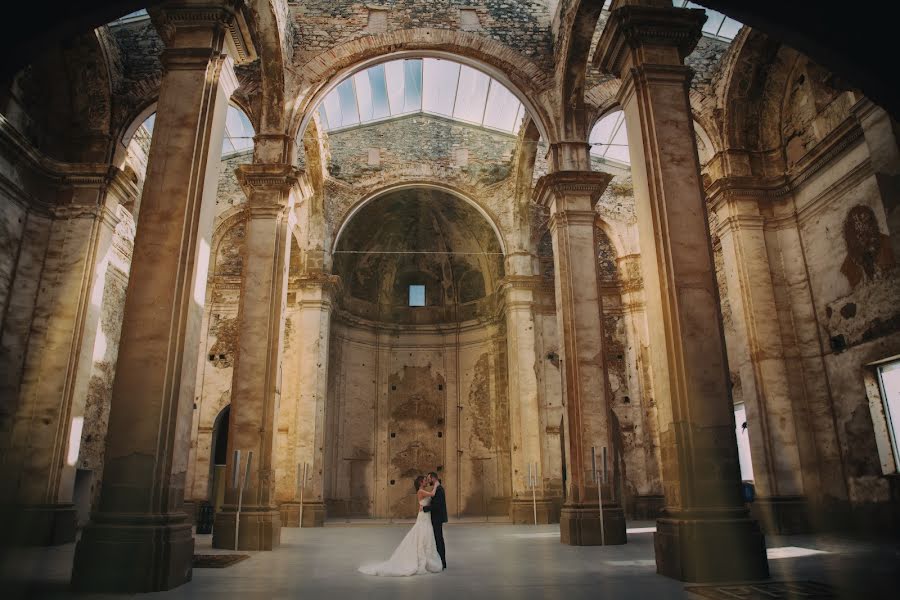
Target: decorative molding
630	27
560	183
225	15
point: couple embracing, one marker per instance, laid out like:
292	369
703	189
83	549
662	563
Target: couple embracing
422	550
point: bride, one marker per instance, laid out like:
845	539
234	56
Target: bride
417	554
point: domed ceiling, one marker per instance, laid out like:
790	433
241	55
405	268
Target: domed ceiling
418	237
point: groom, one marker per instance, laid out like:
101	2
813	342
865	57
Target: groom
438	511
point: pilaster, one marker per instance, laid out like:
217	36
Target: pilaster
758	358
571	196
255	383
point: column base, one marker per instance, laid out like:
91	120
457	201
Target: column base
260	529
314	514
709	549
646	508
40	525
579	525
290	514
782	515
119	553
521	511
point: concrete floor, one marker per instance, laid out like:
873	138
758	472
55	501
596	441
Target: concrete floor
485	560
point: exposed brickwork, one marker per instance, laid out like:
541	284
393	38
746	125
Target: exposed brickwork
419	138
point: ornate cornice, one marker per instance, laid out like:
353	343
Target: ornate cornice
226	15
560	183
272	180
630	27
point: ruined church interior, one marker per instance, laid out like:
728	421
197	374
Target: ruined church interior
624	274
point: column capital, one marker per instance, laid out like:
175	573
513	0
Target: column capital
630	27
224	16
732	188
554	186
263	178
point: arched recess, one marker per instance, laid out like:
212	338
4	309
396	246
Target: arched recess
523	78
745	74
491	220
217	457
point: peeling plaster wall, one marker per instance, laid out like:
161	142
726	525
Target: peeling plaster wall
395	396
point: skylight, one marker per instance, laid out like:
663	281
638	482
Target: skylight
138	15
421	85
609	138
238	131
717	25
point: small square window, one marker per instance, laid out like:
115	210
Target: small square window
417	295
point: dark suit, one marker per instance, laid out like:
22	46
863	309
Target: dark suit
438	512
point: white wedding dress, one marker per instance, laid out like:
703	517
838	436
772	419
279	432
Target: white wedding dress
416	555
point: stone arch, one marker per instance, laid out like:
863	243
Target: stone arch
269	25
744	74
521	76
463	195
228	225
578	23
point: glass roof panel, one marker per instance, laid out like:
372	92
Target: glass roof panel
412	71
730	28
380	106
347	98
332	106
717	25
439	86
502	108
429	85
363	96
394	72
471	95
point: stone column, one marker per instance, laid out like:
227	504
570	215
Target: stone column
705	533
571	196
140	539
257	370
780	501
43	447
314	300
524	408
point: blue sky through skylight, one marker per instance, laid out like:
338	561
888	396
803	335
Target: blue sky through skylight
429	85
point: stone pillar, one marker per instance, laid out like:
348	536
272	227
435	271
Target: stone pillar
524	408
43	446
140	539
257	370
705	533
780	502
314	301
571	196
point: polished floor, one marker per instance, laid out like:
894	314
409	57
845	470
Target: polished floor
486	560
